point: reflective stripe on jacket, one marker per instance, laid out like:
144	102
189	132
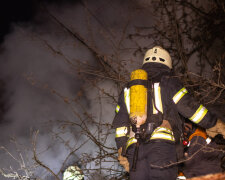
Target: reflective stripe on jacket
158	133
121	131
199	113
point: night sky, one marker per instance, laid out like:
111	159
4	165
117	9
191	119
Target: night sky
13	11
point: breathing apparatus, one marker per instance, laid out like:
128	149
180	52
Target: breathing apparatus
138	98
138	105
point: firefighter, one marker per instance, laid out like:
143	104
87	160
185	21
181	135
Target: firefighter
204	155
162	128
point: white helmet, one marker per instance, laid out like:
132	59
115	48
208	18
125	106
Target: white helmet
158	55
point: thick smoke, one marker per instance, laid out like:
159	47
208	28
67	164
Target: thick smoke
30	70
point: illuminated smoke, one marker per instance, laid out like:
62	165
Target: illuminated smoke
25	54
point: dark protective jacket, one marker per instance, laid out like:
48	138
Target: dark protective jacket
171	98
203	157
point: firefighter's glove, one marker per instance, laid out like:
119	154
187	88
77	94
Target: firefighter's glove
219	128
123	160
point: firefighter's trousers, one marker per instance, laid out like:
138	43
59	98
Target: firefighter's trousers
152	159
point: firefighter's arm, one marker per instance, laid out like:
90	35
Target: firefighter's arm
121	125
188	107
121	122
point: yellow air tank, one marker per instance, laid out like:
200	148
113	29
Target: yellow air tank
138	98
